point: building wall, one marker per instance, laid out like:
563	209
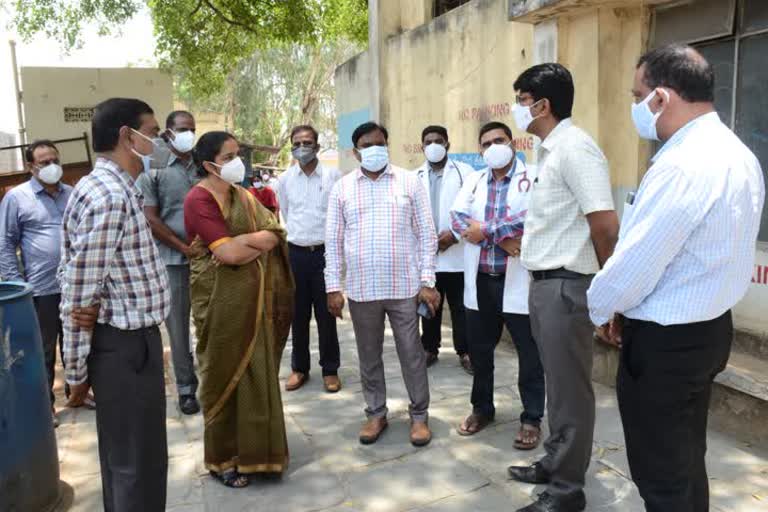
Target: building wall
48	91
353	103
457	71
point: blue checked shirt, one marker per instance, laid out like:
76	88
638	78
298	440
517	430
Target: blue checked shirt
686	251
499	224
108	258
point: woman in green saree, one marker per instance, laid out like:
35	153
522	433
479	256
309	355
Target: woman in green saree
242	292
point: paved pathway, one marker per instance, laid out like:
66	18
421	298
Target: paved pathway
331	472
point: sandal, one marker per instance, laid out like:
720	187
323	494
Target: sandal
473	424
231	478
528	437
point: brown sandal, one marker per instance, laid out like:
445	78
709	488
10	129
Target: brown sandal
473	424
528	437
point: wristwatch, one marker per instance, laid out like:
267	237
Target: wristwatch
428	284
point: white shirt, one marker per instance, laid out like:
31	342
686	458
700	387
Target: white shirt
304	202
573	181
687	250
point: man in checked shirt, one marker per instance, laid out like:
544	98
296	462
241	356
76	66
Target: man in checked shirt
380	226
114	294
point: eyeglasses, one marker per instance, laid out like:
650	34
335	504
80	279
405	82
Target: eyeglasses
303	144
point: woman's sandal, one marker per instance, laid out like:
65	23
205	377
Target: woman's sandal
473	424
528	437
231	478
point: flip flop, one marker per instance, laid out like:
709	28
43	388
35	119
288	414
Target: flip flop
474	424
534	439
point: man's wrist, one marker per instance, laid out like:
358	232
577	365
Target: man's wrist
428	283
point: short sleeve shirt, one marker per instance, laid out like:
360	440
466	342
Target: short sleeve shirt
573	181
166	189
203	218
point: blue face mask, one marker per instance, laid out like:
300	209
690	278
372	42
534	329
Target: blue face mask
374	158
645	120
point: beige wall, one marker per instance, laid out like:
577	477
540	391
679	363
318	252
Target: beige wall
353	104
457	71
47	91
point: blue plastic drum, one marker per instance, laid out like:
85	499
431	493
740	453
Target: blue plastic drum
29	463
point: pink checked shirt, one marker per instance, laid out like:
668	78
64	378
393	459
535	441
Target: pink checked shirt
382	232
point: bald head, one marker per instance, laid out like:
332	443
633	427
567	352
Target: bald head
680	68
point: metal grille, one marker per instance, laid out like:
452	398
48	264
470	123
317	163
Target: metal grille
443	6
78	114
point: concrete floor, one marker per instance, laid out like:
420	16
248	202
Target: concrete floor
331	471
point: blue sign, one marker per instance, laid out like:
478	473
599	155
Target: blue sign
346	124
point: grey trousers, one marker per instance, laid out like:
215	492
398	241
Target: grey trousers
126	372
177	324
563	332
368	323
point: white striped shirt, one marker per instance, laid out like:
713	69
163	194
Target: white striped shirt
304	202
687	250
382	232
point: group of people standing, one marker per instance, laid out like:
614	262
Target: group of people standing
148	239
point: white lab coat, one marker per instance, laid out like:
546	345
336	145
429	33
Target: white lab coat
472	200
454	175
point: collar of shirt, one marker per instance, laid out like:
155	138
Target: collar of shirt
680	134
176	160
511	172
38	187
125	178
555	135
296	169
385	172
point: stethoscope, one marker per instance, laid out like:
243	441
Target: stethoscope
455	167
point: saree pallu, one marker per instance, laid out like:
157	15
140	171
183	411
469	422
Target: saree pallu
242	317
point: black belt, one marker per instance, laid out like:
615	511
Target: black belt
492	276
558	273
308	248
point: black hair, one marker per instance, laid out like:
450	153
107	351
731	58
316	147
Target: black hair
207	148
551	81
111	115
305	128
29	153
365	129
170	121
440	130
682	69
494	125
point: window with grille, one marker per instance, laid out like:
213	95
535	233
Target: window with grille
443	6
78	114
733	36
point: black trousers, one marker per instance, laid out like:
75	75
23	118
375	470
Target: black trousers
485	327
308	271
126	372
664	385
47	308
451	288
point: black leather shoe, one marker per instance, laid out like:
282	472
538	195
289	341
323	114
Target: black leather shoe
533	474
431	358
575	502
188	404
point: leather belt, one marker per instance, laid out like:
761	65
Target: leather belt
557	273
492	276
306	248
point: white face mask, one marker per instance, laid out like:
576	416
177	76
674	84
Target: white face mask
159	156
498	156
645	120
258	185
523	116
435	152
183	142
233	172
374	158
50	174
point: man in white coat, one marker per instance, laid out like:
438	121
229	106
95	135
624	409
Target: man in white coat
489	213
442	178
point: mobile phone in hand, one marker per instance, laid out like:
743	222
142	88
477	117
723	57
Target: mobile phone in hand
424	311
